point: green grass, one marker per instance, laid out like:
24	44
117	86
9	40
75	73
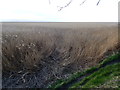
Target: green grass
114	83
56	84
60	83
99	77
109	59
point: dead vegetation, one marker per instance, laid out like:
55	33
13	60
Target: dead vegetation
55	52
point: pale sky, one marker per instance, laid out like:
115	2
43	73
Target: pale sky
42	11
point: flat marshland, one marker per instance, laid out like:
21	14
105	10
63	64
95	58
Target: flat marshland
37	54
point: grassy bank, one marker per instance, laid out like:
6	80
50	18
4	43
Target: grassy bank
111	70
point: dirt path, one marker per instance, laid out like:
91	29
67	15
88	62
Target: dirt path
82	77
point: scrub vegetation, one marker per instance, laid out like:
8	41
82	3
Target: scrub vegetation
41	55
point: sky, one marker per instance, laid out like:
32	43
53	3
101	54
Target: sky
45	11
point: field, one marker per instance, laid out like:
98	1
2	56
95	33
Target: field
38	54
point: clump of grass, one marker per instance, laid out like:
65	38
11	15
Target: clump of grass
21	51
